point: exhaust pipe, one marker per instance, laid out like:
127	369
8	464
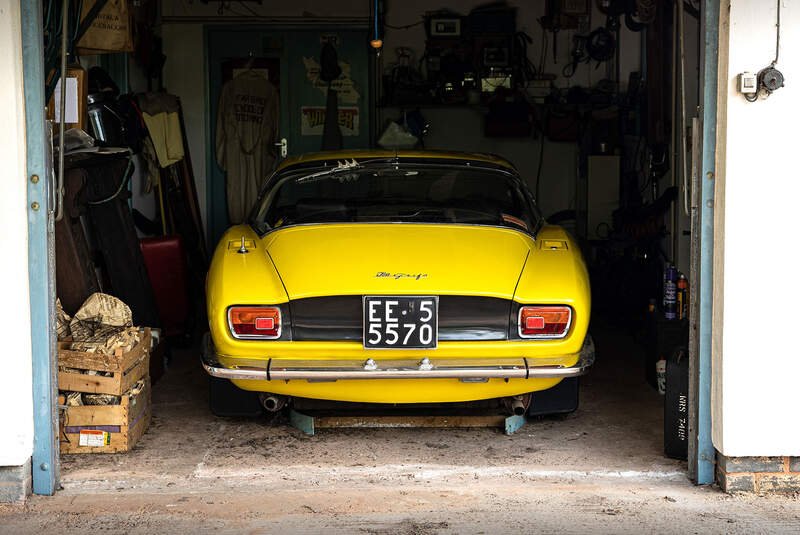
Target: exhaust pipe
272	402
517	405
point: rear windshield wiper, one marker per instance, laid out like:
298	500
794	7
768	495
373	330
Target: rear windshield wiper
341	166
348	166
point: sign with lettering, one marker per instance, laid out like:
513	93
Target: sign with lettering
313	120
249	108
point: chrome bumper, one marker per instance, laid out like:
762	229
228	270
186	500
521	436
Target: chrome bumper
334	369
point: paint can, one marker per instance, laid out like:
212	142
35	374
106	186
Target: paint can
661	375
683	297
671	292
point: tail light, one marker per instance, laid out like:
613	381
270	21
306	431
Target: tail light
544	321
256	323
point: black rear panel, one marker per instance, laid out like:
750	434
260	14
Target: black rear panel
461	317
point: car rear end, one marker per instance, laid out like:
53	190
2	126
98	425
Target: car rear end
397	311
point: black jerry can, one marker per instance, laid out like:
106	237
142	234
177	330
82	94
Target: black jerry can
676	405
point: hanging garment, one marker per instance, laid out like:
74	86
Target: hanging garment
247	127
329	71
149	173
160	114
331	134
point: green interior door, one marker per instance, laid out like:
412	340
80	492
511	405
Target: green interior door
308	94
295	54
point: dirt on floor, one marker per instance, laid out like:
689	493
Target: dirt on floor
600	469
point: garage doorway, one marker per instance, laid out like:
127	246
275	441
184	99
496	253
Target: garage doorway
217	219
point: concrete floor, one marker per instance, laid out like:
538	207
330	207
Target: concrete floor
600	469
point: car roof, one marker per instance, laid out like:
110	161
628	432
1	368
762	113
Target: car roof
311	157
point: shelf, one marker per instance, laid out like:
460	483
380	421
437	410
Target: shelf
478	107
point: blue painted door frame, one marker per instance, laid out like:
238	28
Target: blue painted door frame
41	257
705	460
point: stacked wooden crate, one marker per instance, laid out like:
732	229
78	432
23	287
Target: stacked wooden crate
105	428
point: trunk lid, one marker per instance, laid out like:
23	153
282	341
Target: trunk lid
388	259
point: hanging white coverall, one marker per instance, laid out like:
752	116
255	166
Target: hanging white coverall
247	127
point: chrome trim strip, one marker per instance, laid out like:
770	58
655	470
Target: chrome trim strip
337	374
332	370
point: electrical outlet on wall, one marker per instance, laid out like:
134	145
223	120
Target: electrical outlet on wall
748	83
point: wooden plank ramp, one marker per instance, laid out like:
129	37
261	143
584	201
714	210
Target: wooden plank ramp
309	421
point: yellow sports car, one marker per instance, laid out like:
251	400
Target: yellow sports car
397	277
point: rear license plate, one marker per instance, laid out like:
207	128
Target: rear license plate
400	322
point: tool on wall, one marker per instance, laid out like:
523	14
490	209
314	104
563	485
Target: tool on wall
599	46
768	79
640	13
493	30
612	9
564	15
225	6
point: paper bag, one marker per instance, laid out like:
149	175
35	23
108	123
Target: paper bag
110	31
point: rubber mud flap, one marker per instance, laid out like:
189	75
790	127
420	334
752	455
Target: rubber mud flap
227	400
561	399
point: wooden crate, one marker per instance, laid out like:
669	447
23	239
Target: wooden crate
126	369
125	423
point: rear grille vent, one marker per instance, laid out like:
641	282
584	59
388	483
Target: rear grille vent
461	317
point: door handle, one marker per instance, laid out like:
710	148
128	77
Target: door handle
284	145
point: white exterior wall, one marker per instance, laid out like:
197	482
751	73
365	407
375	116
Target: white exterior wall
16	396
756	369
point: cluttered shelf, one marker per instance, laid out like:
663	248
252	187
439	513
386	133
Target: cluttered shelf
429	106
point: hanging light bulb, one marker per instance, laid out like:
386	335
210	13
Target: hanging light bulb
376	42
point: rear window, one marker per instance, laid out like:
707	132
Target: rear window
398	194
